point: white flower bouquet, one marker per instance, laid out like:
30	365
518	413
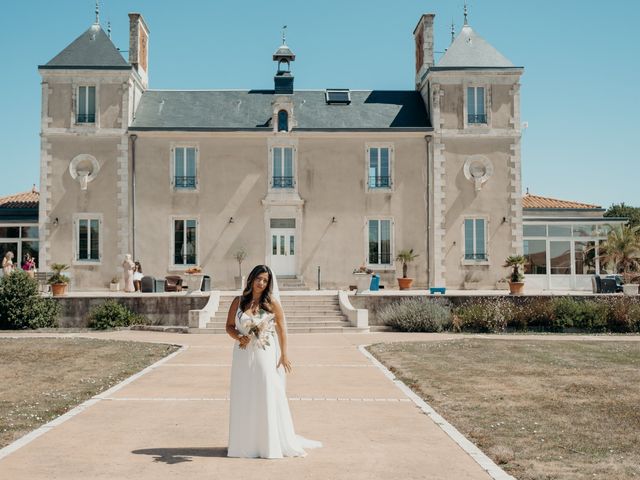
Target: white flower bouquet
259	329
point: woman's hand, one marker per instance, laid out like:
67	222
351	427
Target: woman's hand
244	341
286	364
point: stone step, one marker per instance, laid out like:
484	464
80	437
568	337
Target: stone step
221	331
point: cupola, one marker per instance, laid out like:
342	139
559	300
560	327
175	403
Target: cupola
283	80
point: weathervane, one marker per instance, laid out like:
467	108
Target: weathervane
109	28
284	38
465	13
97	11
453	31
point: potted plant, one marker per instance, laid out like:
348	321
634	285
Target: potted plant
240	255
516	278
363	278
114	286
622	249
406	257
57	280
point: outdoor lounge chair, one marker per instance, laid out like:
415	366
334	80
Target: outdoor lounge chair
173	283
147	284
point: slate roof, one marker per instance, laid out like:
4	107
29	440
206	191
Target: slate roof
91	50
537	202
252	110
28	199
471	50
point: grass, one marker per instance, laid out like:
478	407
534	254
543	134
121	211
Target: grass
42	378
541	409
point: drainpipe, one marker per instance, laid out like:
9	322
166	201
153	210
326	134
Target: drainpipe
133	138
428	192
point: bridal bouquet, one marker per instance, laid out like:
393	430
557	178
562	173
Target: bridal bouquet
259	329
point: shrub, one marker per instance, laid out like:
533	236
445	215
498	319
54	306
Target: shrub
624	314
484	315
532	313
112	314
583	314
417	315
22	307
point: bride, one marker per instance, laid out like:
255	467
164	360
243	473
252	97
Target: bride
260	423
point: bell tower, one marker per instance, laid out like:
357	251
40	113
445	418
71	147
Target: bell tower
283	80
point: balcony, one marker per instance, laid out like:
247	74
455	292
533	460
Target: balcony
477	118
86	118
185	182
379	182
282	182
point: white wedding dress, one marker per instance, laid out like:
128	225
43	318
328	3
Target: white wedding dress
260	423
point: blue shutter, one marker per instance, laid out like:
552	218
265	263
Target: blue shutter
288	163
471	101
91	104
179	162
480	244
480	100
468	239
277	162
191	162
373	241
385	242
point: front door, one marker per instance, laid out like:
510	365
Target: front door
283	251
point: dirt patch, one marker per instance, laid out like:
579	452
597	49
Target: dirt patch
42	378
542	410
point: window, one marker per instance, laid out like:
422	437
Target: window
185	250
475	105
338	96
88	239
380	242
379	167
86	105
535	251
184	168
283	121
283	167
474	239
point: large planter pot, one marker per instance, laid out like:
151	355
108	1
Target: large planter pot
194	282
405	283
58	289
114	287
630	289
239	282
363	280
516	288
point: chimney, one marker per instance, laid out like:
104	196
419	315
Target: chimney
423	35
139	46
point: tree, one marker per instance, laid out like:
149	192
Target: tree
622	210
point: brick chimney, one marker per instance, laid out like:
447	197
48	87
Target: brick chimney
423	35
139	46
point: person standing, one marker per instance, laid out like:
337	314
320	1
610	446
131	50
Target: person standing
7	263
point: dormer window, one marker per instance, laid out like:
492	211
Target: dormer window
86	105
283	121
476	113
338	96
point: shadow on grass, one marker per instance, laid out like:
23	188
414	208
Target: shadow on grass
180	455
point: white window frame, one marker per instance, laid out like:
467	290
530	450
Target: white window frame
76	238
391	186
77	112
172	170
179	267
464	260
294	166
380	266
487	103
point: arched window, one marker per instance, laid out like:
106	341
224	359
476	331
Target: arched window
283	121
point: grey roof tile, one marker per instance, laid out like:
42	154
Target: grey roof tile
251	109
92	49
471	50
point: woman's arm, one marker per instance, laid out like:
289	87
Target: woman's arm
231	324
282	336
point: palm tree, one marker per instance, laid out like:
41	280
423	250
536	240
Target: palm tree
406	257
622	250
516	262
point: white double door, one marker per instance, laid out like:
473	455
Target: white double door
283	251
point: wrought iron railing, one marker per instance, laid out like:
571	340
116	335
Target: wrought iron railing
185	182
86	118
380	258
282	182
475	256
379	182
478	118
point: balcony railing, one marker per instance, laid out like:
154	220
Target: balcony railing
380	258
475	256
185	182
86	118
282	182
478	118
379	182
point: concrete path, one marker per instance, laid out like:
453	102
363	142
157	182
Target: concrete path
172	421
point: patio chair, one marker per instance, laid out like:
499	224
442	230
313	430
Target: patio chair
596	284
173	283
608	285
147	284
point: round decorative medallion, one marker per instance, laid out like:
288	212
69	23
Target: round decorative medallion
84	168
478	169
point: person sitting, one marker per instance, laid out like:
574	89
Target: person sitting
137	277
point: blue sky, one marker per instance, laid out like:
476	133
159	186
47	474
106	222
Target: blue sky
580	89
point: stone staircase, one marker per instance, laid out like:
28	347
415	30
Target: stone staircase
305	314
291	283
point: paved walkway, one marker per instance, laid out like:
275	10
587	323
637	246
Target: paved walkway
172	421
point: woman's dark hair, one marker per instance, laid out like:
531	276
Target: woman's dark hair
247	294
137	264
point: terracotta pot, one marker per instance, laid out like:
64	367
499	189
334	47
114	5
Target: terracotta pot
516	288
58	289
405	283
